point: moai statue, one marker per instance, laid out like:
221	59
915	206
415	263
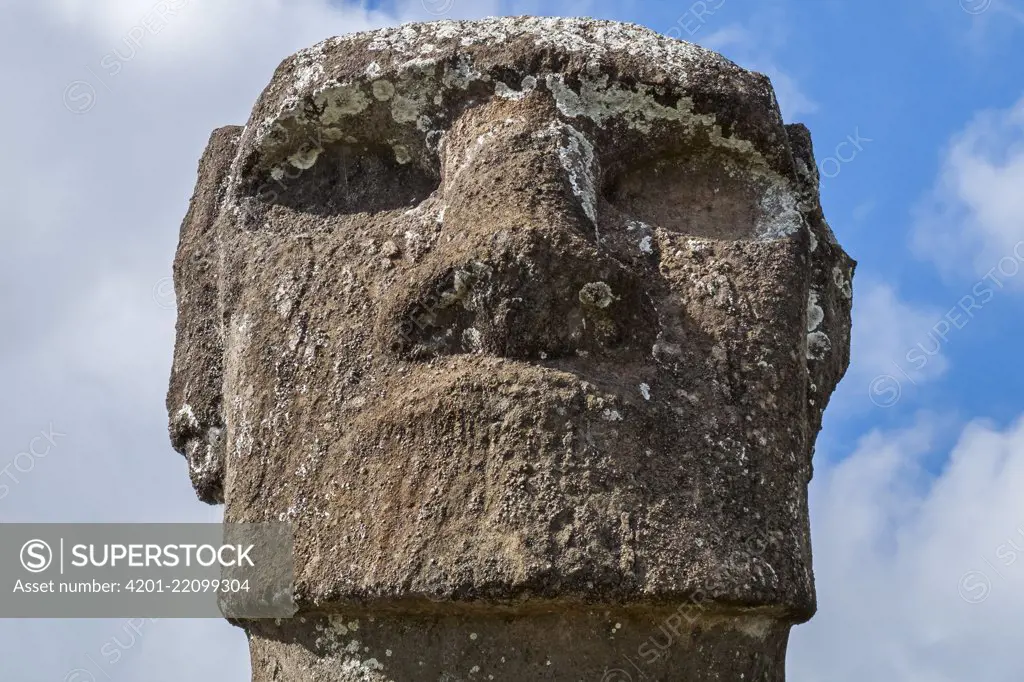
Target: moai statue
527	326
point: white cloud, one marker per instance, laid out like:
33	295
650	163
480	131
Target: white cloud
863	210
896	347
981	25
972	223
165	651
888	330
189	30
920	579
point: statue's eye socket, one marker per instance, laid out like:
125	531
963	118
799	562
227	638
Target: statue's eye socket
702	195
345	179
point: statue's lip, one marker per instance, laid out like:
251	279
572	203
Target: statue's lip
471	372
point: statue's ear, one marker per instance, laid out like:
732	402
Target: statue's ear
195	396
830	294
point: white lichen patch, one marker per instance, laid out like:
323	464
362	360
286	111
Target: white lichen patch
307	74
422	65
780	214
714	284
818	345
368	670
601	100
340	100
399	39
610	415
305	158
646	245
423	124
462	74
204	453
576	154
287	294
471	339
645	391
597	295
405	109
185	417
815	314
528	85
697	245
842	282
572	35
402	155
383	89
754	627
578	160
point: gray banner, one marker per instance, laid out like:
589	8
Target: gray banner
193	570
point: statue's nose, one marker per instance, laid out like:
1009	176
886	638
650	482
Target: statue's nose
519	270
514	165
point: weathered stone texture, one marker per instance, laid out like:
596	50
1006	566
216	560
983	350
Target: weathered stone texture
527	325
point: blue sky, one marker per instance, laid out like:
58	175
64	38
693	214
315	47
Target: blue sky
920	467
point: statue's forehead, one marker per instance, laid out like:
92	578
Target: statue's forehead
404	86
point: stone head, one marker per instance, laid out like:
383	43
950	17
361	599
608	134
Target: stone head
509	311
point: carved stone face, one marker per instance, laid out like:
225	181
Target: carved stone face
514	309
